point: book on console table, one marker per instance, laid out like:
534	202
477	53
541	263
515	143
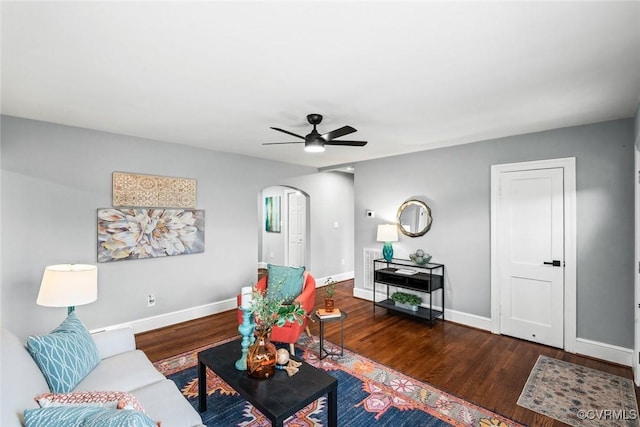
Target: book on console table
324	314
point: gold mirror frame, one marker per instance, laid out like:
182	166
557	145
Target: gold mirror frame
422	209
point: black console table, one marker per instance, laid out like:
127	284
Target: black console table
405	274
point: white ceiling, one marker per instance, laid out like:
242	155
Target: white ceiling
409	76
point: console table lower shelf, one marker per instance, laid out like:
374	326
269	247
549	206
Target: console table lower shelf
278	397
422	312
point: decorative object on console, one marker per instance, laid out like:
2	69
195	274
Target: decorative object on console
330	290
272	214
406	300
387	233
153	191
414	218
125	234
420	257
68	285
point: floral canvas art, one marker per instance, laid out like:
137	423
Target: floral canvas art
139	233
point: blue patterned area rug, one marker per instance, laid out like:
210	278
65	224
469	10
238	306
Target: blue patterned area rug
368	394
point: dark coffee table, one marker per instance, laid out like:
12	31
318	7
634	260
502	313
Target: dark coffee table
278	397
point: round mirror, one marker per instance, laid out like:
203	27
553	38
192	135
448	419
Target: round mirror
414	218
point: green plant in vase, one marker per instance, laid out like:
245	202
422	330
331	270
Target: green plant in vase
269	310
330	291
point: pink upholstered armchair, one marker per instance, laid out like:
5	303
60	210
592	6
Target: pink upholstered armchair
290	332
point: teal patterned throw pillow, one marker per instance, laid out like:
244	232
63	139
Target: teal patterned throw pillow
284	283
85	416
66	355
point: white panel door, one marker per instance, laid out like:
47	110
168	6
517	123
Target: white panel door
531	255
296	229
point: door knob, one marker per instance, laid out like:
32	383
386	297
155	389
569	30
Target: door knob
555	263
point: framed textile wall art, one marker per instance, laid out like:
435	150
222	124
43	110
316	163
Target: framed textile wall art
148	191
138	233
272	214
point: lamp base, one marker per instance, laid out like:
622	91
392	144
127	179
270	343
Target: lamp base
387	251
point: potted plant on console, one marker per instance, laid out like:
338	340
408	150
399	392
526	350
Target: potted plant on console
407	301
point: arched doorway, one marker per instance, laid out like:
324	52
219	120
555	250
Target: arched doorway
284	226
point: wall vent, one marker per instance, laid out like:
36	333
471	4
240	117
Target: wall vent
369	256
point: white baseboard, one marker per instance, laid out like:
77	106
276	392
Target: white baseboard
337	277
598	350
473	320
467	319
608	352
167	319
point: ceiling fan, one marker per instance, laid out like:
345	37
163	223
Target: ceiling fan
315	142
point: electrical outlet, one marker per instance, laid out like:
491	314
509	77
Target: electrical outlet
151	300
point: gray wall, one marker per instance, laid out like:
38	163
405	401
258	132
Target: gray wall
455	182
54	178
330	241
332	201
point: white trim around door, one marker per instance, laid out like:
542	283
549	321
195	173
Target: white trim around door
635	357
570	246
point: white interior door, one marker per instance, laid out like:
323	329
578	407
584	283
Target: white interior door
296	229
530	239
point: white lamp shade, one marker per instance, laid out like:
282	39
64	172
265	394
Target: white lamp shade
387	233
67	285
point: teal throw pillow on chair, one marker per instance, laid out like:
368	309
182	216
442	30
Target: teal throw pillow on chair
66	355
286	282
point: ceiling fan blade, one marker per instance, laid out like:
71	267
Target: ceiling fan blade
287	132
344	130
349	143
278	143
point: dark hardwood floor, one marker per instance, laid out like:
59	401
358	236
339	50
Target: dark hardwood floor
486	369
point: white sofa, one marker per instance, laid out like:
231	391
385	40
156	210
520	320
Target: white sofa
122	368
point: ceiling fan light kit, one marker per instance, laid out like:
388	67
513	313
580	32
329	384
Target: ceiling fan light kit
314	146
314	142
